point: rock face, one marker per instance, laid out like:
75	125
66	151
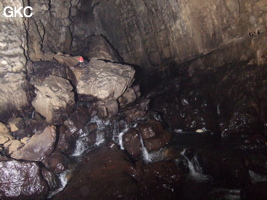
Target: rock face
101	49
12	66
161	32
54	97
105	80
19	180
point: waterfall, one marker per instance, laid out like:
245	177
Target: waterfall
195	170
255	177
63	177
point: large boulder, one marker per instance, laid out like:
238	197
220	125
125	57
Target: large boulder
54	98
21	180
105	80
39	147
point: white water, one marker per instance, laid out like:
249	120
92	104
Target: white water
255	177
63	182
195	170
82	141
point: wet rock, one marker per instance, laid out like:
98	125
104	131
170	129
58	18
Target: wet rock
55	162
16	124
158	141
128	97
150	128
38	147
100	48
153	135
54	99
105	79
77	119
244	121
161	180
51	179
136	110
21	180
255	191
104	174
226	167
132	144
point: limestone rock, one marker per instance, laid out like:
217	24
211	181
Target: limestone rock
77	119
105	79
54	98
12	146
4	134
16	124
13	82
66	59
100	48
136	110
132	144
128	97
21	180
38	147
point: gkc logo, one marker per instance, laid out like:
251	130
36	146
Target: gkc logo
20	12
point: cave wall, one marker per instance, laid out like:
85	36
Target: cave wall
151	34
12	61
160	31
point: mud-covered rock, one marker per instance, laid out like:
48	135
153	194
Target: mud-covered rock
105	79
38	147
54	98
21	180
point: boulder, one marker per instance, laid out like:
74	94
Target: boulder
104	174
128	97
66	59
39	147
136	110
51	179
4	134
41	70
100	48
77	119
105	80
158	141
16	124
55	162
54	99
12	146
21	180
132	144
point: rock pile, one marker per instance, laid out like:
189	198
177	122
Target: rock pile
75	109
